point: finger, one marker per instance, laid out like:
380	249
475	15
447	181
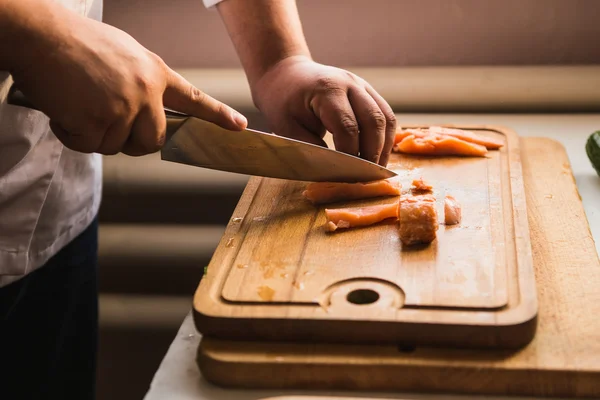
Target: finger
116	136
147	132
336	114
180	95
75	141
371	122
390	124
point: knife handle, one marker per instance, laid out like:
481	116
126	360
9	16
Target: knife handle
17	98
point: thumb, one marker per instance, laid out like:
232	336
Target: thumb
180	95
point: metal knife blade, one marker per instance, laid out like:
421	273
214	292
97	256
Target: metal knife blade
203	144
199	143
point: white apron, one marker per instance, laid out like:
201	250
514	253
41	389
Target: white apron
48	193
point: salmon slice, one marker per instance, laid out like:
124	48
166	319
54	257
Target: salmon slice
330	192
343	218
421	186
418	219
404	133
439	145
467	136
452	210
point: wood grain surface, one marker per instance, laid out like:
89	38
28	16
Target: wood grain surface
562	360
278	275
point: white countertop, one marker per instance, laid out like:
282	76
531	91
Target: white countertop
178	377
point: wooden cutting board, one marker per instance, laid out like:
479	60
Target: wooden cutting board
278	275
562	360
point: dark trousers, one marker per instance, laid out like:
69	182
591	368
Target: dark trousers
49	327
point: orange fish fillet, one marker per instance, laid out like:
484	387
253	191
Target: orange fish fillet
403	133
418	219
452	211
439	145
330	192
467	136
421	185
359	216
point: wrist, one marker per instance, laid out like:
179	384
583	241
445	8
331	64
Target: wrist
264	65
265	33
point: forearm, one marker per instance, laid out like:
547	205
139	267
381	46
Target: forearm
25	25
263	32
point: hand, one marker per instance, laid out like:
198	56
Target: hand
104	92
302	99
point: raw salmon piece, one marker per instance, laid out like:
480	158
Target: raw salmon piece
452	211
330	192
418	219
467	136
343	218
421	186
403	133
439	145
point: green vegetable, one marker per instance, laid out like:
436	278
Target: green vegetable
592	148
205	269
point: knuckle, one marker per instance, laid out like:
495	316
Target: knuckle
144	83
328	84
378	119
352	77
196	95
349	125
119	109
156	59
390	117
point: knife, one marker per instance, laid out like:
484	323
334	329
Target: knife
200	143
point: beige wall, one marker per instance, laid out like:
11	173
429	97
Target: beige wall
383	32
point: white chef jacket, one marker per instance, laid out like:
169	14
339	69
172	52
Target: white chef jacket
49	194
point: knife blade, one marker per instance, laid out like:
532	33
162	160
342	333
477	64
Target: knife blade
203	144
195	142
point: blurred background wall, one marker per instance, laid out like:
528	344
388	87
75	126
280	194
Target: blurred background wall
383	32
161	222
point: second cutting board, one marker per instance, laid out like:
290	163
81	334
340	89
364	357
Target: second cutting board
278	275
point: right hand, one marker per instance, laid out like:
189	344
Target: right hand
105	93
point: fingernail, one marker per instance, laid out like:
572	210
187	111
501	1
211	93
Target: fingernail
239	119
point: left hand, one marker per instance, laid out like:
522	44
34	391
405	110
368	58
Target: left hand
302	99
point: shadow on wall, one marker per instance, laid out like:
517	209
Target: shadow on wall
354	33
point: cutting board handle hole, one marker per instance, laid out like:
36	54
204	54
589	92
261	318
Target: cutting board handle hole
362	296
